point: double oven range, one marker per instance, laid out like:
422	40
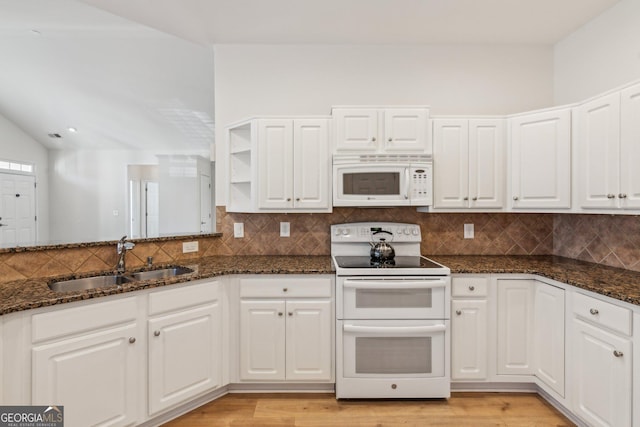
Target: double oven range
392	315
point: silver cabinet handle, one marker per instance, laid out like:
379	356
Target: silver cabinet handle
458	312
515	198
617	353
279	313
156	333
472	288
593	311
622	196
132	340
611	196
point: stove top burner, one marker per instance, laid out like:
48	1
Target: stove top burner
399	262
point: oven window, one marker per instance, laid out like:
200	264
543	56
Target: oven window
393	355
381	183
393	298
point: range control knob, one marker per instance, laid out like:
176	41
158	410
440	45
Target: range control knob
338	231
415	232
345	231
407	231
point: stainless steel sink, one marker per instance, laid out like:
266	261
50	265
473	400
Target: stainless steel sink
85	283
161	273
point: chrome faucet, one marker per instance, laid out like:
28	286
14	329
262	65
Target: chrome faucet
122	248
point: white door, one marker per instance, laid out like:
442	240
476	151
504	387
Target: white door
549	336
486	163
469	339
17	210
356	129
94	377
602	377
406	130
135	209
598	144
184	356
451	163
152	209
311	163
630	148
275	164
541	160
515	326
205	204
262	340
308	340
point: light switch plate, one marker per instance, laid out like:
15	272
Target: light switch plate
189	247
285	229
238	230
468	231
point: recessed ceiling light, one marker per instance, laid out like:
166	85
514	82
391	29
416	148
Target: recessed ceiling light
72	130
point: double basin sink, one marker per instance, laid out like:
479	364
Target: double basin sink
103	281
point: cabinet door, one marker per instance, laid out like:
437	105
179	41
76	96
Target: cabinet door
311	163
275	164
598	145
451	163
541	160
94	376
356	129
486	163
406	130
549	336
469	339
309	340
630	148
262	340
515	326
184	356
602	376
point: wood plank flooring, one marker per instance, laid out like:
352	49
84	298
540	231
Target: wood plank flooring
461	410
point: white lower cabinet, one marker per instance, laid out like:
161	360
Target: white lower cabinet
184	344
86	360
286	339
601	363
549	336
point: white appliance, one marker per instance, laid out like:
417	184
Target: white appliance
382	180
392	326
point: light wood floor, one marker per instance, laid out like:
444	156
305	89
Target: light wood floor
462	409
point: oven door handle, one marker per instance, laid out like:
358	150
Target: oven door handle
394	330
407	179
394	284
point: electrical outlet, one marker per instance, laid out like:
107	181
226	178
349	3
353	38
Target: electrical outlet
189	247
238	230
285	229
468	231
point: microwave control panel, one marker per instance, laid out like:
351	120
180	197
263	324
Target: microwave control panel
421	185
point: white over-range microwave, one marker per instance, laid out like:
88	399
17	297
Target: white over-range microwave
370	180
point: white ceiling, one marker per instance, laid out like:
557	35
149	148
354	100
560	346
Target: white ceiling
93	66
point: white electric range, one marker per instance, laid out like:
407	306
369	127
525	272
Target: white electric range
392	316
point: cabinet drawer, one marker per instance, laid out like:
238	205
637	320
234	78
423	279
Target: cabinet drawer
285	287
90	317
469	286
183	297
602	313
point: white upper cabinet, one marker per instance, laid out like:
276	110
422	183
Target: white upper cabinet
608	150
279	165
382	130
469	163
540	147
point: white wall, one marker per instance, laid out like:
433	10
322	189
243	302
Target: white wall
17	145
256	80
599	56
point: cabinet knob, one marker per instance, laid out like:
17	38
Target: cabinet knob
474	199
611	196
132	340
290	313
373	139
394	386
458	312
472	288
279	313
466	198
156	333
285	289
617	353
288	199
390	139
515	198
593	311
622	196
297	199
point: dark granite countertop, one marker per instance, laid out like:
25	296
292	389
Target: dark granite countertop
620	284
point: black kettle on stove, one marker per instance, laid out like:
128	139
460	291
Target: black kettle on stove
381	250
